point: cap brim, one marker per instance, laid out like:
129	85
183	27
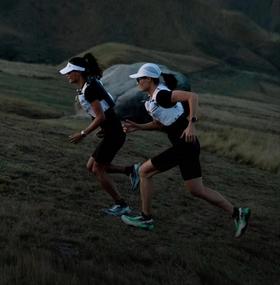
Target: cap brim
138	75
66	70
71	67
135	75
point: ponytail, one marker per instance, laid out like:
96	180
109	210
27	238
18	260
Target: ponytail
92	66
170	80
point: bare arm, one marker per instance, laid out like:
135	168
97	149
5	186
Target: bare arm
192	98
130	126
185	96
100	117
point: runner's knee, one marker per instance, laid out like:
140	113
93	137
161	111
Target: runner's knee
196	189
144	172
98	169
89	167
90	164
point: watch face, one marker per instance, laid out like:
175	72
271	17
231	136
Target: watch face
194	119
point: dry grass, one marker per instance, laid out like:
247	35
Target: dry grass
249	147
244	130
28	69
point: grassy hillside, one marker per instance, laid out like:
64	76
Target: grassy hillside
52	229
41	71
33	91
48	31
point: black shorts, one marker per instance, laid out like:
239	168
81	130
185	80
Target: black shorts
183	154
108	147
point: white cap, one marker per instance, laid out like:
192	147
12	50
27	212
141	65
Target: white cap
71	67
149	70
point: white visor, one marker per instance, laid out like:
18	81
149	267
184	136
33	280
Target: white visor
71	67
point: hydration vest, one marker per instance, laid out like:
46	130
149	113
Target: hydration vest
105	104
166	116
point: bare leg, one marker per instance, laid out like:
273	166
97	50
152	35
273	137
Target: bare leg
196	187
147	170
99	170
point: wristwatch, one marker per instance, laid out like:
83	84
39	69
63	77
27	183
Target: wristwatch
83	133
193	119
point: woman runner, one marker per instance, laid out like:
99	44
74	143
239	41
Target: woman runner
166	107
98	103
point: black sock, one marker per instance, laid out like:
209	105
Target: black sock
146	217
235	212
128	170
121	202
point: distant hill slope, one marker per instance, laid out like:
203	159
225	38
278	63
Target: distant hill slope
266	13
206	74
116	53
109	54
47	31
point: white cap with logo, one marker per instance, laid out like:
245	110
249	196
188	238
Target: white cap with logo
147	70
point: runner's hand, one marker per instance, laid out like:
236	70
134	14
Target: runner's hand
75	138
189	133
129	126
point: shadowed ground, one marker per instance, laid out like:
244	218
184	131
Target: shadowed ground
53	232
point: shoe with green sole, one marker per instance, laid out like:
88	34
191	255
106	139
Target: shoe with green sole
138	221
241	220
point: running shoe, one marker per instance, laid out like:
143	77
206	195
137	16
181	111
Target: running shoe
241	221
134	177
117	210
138	221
